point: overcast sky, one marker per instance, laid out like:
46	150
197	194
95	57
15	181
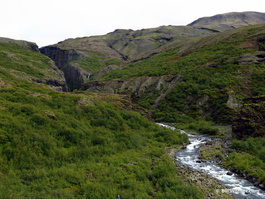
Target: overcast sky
47	22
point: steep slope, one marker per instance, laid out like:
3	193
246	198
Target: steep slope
83	59
24	61
76	145
208	80
93	56
250	121
228	21
174	71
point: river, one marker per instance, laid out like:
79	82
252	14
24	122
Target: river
235	185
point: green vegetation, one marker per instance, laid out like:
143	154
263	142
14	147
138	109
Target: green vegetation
23	59
52	147
215	151
172	62
81	145
94	62
200	126
250	158
208	72
63	145
254	146
258	79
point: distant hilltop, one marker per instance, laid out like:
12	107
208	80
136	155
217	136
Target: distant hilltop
230	20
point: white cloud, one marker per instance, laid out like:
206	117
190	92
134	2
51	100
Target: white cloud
50	21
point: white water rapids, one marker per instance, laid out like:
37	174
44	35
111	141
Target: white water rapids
238	187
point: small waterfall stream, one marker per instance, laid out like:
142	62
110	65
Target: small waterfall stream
238	187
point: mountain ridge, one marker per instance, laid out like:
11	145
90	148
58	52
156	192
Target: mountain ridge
120	47
231	20
115	49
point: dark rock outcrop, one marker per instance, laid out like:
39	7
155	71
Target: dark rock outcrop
74	76
60	56
257	58
137	87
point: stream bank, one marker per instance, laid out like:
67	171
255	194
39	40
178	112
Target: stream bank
188	157
217	151
204	181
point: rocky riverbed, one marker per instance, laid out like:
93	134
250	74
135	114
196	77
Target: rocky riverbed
200	162
210	186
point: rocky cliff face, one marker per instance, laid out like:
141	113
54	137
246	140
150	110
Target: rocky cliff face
74	76
60	56
53	77
137	87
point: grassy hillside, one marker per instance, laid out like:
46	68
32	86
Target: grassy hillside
223	82
88	145
219	79
131	45
22	60
221	68
97	55
78	145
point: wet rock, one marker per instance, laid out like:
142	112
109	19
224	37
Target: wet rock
209	143
247	192
262	186
229	173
